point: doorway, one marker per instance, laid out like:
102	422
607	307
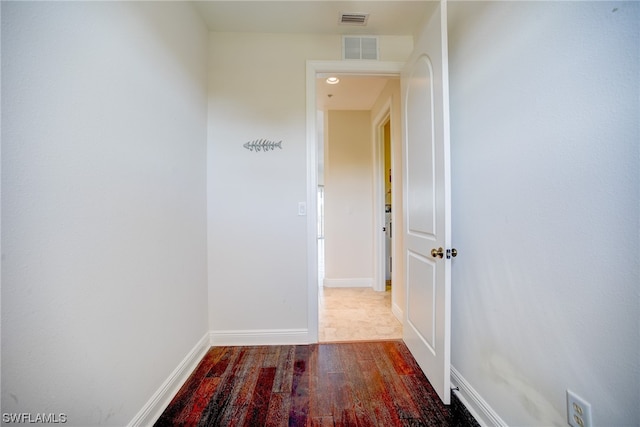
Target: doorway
356	293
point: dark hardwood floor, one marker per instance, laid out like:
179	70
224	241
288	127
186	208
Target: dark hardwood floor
340	384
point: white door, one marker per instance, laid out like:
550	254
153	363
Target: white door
427	204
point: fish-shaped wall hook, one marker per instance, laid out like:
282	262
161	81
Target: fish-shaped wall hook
262	145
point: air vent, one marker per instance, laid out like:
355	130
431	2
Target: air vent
354	18
357	47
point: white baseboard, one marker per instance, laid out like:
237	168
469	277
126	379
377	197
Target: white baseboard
152	410
397	312
358	282
475	404
260	337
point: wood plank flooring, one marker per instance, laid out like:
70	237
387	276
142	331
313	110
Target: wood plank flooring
374	383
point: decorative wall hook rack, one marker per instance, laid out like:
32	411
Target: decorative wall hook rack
262	145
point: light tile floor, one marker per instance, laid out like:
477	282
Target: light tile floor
356	314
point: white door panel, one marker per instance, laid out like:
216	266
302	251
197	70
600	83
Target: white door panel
420	157
427	204
420	309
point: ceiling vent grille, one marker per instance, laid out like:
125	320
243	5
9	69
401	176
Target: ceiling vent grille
360	47
354	18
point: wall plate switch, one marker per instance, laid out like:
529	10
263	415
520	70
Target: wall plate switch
302	208
578	411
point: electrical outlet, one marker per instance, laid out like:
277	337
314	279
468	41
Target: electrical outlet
578	411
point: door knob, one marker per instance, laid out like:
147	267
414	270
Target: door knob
437	253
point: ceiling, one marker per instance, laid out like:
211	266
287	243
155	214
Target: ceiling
352	93
392	17
395	17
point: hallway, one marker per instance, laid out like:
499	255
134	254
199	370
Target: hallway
354	314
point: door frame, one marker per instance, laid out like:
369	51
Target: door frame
379	282
313	68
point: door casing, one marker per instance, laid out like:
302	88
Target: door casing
379	197
314	68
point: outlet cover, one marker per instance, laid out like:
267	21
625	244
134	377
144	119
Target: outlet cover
578	411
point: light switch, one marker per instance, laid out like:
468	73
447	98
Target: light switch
302	208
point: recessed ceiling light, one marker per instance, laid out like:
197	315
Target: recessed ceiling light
333	80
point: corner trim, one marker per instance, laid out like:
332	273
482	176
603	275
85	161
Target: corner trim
475	404
152	410
260	337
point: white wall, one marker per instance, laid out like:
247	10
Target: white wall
395	48
257	241
103	204
348	192
545	168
